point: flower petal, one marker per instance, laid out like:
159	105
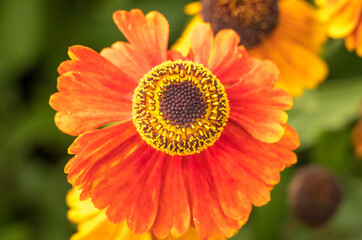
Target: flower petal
292	66
85	103
256	165
297	40
148	34
174	55
256	106
174	212
119	172
126	57
201	43
229	61
99	145
92	92
345	20
93	223
131	189
232	198
206	217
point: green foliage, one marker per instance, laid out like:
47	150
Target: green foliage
331	107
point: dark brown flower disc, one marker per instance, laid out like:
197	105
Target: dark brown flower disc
314	195
253	20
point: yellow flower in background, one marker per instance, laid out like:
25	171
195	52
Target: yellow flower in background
288	32
344	20
93	224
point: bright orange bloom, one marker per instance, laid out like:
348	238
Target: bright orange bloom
194	141
344	20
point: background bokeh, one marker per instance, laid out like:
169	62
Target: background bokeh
34	37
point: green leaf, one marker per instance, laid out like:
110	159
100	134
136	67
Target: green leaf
330	107
333	150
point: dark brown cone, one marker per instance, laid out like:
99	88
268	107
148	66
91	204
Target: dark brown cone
253	20
314	195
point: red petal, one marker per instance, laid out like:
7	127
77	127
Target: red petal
260	74
132	188
85	60
255	189
257	107
206	211
174	55
129	59
147	34
255	162
85	102
229	62
174	212
233	200
120	172
96	147
201	44
92	92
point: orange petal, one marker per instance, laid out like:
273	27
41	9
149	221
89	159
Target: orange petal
206	211
254	162
86	60
174	212
250	184
225	48
174	55
85	102
201	43
131	189
119	172
98	145
92	92
257	107
93	223
148	34
131	60
232	198
229	61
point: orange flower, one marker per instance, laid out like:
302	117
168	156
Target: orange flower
194	141
344	20
287	32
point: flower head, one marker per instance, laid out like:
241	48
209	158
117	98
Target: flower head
195	141
343	20
314	195
287	32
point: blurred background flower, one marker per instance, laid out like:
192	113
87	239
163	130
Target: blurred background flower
343	20
35	36
287	32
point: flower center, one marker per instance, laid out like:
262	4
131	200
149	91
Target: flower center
253	20
180	108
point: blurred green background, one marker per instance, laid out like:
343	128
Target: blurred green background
34	37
